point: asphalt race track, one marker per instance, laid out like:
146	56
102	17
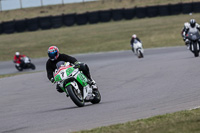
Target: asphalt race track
164	81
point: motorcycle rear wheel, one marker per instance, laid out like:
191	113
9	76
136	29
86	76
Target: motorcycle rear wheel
76	97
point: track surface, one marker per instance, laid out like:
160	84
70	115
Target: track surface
165	81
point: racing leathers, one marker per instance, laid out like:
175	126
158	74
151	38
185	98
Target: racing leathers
18	60
132	42
188	28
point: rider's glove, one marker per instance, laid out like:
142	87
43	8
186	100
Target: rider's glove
52	80
77	64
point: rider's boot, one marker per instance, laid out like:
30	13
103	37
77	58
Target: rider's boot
61	91
187	43
133	50
92	83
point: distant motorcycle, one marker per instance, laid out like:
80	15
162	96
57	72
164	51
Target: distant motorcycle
26	64
138	49
75	84
193	38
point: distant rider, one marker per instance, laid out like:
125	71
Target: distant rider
55	57
133	38
189	27
18	59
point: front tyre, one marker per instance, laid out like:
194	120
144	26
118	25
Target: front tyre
196	52
76	97
32	66
97	97
141	54
18	68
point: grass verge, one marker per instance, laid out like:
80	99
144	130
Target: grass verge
111	36
187	121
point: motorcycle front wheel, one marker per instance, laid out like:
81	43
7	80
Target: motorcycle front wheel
19	68
141	54
32	66
196	52
97	97
76	97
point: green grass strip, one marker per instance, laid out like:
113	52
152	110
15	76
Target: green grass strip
187	121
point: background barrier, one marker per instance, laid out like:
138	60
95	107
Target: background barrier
45	22
117	14
163	10
81	19
69	19
196	6
32	24
1	30
93	17
175	9
58	21
8	27
152	11
141	12
20	25
187	8
105	16
129	13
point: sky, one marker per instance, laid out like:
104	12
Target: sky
16	4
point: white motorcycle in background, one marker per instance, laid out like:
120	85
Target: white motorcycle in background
138	49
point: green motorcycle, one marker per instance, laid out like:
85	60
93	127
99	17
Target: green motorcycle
75	84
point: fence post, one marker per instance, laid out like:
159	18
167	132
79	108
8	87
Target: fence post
0	6
20	4
41	2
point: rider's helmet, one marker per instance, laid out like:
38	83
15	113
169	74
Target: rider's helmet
134	36
59	64
17	54
53	53
192	23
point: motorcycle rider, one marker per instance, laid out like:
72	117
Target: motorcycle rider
18	59
55	57
190	27
133	38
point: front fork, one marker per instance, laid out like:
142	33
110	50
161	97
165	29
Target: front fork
192	46
74	84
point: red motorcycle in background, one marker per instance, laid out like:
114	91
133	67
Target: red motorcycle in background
23	62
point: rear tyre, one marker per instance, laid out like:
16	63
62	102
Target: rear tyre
76	97
97	97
